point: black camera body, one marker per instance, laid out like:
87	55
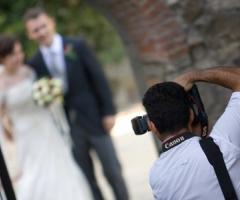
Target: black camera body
140	123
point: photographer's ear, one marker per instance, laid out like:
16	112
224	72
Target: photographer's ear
152	127
192	116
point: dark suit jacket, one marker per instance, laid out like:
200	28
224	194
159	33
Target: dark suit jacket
88	98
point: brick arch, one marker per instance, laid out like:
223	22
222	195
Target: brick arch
151	34
152	27
163	37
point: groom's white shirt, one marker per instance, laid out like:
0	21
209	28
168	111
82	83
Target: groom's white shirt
57	49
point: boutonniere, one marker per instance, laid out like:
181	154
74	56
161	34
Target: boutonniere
69	52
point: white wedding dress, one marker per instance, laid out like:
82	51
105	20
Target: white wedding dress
48	169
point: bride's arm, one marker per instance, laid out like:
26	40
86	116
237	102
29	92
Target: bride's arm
5	121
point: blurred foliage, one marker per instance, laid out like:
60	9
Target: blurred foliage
74	18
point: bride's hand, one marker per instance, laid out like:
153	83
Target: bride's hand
7	126
6	123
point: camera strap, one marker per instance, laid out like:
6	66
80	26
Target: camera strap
215	158
199	111
175	140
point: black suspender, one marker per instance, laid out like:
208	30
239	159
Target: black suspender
215	158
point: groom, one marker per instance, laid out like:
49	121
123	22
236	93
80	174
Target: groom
88	100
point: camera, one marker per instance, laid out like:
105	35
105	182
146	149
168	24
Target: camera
140	123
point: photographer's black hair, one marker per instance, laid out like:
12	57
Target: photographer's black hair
167	106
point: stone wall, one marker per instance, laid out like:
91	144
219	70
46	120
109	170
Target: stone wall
166	37
212	29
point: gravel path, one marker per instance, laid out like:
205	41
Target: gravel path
137	153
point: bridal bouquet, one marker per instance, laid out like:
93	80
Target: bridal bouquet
47	91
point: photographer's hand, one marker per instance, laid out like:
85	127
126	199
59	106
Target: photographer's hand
185	80
226	76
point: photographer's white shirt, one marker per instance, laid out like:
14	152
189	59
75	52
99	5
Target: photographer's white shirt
184	173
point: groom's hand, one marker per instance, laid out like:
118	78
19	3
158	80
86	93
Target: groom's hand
108	122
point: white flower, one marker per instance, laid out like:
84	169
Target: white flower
43	82
47	91
56	91
47	98
57	82
36	95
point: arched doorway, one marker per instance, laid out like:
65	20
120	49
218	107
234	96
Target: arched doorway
163	38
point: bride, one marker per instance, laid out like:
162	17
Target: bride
45	169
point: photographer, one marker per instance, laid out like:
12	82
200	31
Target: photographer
183	172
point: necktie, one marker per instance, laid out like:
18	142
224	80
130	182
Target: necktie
56	70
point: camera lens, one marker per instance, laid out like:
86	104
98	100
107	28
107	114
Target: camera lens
140	125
